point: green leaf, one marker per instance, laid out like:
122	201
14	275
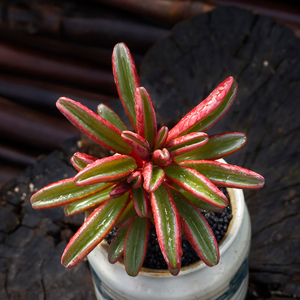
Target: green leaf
116	247
196	184
107	169
219	145
87	202
197	230
63	192
128	213
140	201
161	138
93	230
167	226
126	79
136	245
226	175
93	126
197	201
110	116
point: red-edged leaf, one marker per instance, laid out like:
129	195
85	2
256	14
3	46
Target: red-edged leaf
109	115
187	143
116	247
197	230
136	245
107	169
81	160
196	184
120	189
137	143
161	138
141	202
126	79
218	145
145	115
63	192
127	215
153	177
226	175
208	112
92	125
160	157
87	202
167	225
136	179
93	230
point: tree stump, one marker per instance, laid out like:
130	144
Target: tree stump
264	57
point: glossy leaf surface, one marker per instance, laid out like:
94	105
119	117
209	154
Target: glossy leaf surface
197	230
116	247
126	79
208	112
160	157
109	115
196	200
161	138
87	202
187	143
63	192
145	115
140	201
218	145
136	245
93	126
167	225
137	143
196	184
127	215
107	169
226	175
153	177
100	222
81	160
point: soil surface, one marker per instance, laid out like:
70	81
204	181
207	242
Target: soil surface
179	72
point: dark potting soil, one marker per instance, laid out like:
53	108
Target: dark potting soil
218	221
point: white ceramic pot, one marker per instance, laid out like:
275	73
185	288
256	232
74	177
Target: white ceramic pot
227	280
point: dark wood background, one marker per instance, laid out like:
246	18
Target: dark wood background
50	49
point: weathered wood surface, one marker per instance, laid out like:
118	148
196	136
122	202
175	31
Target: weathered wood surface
264	57
179	72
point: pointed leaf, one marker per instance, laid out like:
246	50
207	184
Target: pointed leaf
63	192
116	247
197	230
145	115
109	115
187	143
196	184
126	79
137	143
153	177
81	160
167	225
141	202
161	138
197	201
127	215
87	202
226	175
120	189
107	169
218	145
93	126
208	112
136	245
93	230
160	157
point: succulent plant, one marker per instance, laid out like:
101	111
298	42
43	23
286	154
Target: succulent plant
157	176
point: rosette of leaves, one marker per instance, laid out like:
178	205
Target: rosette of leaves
157	176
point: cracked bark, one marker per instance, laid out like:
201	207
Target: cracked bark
264	56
